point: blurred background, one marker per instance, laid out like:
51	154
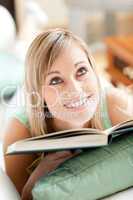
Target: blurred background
106	26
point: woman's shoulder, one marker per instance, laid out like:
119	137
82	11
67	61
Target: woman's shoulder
14	132
119	105
17	124
21	115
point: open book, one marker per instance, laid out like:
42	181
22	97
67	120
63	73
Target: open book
70	139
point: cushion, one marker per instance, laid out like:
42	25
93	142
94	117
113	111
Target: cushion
94	174
11	73
123	195
7	188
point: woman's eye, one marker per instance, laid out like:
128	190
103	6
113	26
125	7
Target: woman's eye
55	80
82	71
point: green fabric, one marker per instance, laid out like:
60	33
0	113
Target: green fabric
93	174
106	122
11	73
21	115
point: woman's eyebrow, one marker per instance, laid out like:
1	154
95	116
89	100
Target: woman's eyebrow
52	72
79	62
57	72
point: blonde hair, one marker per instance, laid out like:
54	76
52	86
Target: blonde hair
41	54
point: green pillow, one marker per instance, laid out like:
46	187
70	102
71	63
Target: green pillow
95	173
11	73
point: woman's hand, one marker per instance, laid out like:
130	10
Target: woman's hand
50	162
53	160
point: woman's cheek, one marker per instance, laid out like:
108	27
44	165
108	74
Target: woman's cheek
51	96
91	83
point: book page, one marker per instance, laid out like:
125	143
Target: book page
125	124
81	141
67	133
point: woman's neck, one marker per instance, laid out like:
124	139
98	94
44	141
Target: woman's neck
59	125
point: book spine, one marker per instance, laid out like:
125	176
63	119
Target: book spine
110	138
122	132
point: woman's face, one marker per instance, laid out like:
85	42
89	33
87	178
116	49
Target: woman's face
71	89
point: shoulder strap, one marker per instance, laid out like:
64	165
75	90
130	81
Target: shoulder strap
21	115
104	111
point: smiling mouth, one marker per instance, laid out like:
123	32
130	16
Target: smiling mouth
77	104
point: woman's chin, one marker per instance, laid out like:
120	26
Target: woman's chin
78	120
75	118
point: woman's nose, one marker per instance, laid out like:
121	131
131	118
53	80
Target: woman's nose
74	86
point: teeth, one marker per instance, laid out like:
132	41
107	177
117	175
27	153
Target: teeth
78	103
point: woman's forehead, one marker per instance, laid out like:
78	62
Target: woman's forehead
74	55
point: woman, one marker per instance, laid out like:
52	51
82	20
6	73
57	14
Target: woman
62	91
